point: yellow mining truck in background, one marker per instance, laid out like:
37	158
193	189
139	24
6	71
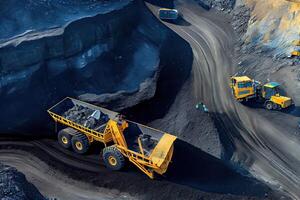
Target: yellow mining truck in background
244	88
149	149
296	51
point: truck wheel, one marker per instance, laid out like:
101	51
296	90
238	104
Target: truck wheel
113	158
275	106
80	143
269	105
64	139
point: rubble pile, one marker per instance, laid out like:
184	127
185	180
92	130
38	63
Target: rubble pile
85	116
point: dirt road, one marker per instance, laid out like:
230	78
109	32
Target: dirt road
64	174
264	143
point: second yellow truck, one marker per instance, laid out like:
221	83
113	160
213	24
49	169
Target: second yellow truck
244	88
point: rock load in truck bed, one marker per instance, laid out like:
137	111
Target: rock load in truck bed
87	117
82	113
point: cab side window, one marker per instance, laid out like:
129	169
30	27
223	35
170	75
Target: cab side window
240	85
233	81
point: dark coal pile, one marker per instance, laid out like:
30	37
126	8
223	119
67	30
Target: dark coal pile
86	116
14	186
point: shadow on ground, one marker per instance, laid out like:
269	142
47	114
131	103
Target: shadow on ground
292	110
195	168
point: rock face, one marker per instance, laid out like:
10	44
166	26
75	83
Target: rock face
14	186
218	4
22	16
265	41
273	26
108	55
240	19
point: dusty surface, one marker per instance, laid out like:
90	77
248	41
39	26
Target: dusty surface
189	124
258	142
84	176
44	177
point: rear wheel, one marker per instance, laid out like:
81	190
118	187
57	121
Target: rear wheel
269	105
113	158
64	139
80	143
275	106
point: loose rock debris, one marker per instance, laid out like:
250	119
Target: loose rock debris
85	116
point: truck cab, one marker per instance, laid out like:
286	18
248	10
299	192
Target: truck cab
242	87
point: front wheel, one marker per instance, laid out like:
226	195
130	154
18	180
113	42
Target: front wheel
113	158
275	106
269	105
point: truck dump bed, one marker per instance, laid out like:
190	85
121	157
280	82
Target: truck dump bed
82	117
149	137
152	147
77	114
68	103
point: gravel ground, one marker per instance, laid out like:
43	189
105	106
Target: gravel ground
14	185
189	124
218	4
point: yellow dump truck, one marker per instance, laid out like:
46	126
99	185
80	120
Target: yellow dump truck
149	149
244	88
296	50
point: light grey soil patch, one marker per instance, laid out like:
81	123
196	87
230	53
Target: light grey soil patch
189	124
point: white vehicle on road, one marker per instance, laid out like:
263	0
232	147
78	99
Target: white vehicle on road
165	13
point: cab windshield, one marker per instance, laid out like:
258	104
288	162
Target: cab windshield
245	84
271	92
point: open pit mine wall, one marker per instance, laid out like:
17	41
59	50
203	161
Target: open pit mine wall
274	25
93	55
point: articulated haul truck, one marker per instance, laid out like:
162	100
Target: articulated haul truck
149	149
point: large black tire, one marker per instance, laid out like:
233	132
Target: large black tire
113	158
269	105
64	138
275	106
80	143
